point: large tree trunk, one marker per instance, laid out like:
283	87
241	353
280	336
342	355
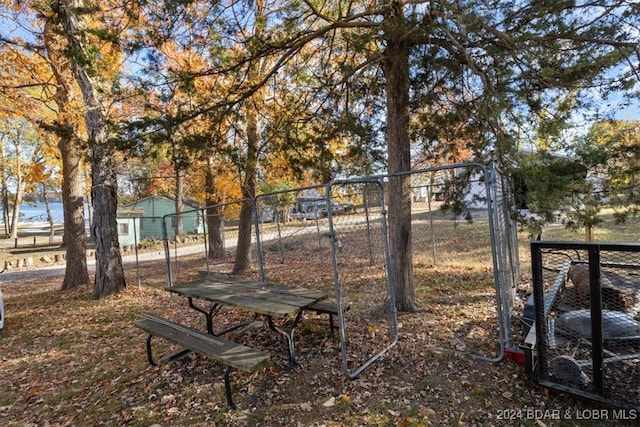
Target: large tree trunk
109	278
214	220
396	69
76	272
243	250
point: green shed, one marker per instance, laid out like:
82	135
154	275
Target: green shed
156	207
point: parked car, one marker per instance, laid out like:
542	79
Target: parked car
318	208
336	208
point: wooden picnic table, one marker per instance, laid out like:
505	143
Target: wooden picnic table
267	299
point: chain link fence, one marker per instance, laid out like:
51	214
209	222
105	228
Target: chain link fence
293	229
334	237
465	263
211	242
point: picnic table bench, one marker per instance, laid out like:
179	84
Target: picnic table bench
270	300
327	307
230	354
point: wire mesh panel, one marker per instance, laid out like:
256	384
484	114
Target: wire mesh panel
505	249
454	264
151	228
184	243
368	325
587	328
506	235
293	229
213	246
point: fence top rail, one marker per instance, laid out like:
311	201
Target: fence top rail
368	179
467	165
548	244
382	177
205	208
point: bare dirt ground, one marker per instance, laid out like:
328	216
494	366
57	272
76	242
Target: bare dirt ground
68	360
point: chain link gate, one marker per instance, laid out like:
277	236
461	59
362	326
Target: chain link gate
293	236
506	256
360	256
464	258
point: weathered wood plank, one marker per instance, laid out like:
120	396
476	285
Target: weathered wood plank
229	353
326	306
264	298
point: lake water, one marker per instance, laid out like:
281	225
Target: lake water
38	213
30	213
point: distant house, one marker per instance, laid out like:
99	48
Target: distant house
156	207
128	220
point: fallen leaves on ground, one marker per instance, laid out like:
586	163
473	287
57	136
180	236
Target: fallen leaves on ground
69	360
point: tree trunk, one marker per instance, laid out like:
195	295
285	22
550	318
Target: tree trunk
76	272
396	69
5	193
109	277
15	215
45	199
179	200
214	220
15	209
243	249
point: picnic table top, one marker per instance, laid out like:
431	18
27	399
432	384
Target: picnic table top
264	298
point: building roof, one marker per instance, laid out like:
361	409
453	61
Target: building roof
123	212
193	203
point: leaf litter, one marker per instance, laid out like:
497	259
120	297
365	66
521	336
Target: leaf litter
68	360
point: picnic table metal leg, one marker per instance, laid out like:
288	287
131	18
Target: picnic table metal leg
208	314
288	336
149	355
175	356
227	387
212	312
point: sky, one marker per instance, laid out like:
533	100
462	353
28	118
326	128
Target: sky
629	113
